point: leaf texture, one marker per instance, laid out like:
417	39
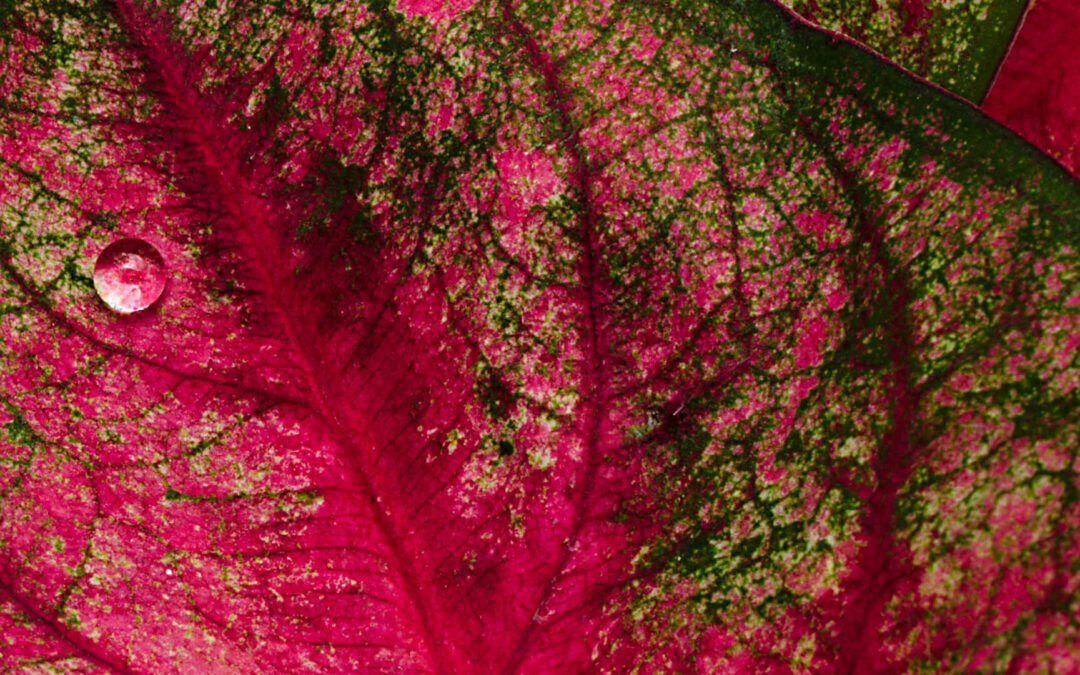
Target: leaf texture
522	338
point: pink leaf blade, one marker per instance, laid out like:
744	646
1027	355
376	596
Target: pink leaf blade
1036	91
526	339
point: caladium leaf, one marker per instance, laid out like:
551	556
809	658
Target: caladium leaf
1037	88
525	338
957	45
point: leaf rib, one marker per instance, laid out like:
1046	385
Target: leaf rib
84	649
882	563
560	100
254	228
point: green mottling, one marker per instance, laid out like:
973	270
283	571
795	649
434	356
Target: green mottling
73	274
746	548
958	46
541	458
19	431
172	495
307	498
72	411
493	393
71	618
74	572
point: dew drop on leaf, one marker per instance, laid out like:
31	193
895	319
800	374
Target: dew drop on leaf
129	275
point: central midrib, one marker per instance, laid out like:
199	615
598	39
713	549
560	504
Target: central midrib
559	100
250	218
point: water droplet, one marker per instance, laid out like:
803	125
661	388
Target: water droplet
129	275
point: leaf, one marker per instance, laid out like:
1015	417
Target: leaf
957	45
521	338
1037	88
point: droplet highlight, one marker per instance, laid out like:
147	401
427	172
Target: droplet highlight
129	275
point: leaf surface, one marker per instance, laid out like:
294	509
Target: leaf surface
524	338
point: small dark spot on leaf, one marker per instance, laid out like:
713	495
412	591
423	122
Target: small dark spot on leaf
494	394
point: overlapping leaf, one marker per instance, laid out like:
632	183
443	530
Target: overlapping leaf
1037	89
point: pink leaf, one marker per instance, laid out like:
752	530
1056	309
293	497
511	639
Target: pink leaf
524	338
1037	88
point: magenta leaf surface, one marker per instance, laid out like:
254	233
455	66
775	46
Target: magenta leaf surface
522	338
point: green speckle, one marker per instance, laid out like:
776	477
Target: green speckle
19	431
72	619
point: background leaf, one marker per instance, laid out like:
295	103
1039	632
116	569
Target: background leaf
1037	90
